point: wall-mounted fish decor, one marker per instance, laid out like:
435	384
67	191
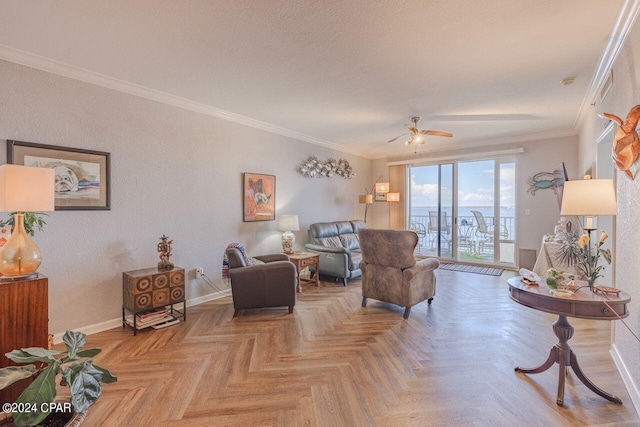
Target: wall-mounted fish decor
626	144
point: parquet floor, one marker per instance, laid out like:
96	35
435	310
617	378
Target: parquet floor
333	363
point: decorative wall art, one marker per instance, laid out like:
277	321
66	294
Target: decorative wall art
82	176
259	197
544	181
314	168
626	144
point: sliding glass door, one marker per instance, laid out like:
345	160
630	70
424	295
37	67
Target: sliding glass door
431	206
465	210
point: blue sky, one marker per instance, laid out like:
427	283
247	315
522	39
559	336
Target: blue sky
475	184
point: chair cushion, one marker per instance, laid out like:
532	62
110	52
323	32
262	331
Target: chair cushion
344	227
323	229
350	241
358	225
332	242
389	248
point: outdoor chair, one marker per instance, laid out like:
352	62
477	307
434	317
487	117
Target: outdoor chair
485	233
445	229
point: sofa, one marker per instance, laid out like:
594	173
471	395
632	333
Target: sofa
338	245
271	283
390	273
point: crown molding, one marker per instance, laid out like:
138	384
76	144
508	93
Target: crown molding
55	67
626	18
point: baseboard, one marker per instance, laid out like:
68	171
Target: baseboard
117	322
631	386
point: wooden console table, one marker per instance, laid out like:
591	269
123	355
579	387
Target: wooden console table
24	322
151	288
582	304
303	260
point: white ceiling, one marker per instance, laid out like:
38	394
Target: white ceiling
342	73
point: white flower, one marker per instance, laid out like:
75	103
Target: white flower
603	236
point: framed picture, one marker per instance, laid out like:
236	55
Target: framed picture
259	197
82	176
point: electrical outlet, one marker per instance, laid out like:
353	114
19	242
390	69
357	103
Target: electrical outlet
199	272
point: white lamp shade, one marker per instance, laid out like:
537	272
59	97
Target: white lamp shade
382	187
589	197
365	198
26	189
393	197
288	223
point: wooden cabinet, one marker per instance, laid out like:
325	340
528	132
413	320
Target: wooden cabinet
151	288
24	322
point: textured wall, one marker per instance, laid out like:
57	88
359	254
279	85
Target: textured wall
173	171
624	94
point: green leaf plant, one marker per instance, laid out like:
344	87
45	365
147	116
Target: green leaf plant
75	367
32	220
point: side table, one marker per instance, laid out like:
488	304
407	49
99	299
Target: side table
152	288
24	322
582	304
303	260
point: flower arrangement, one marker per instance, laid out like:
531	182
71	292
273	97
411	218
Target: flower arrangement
588	257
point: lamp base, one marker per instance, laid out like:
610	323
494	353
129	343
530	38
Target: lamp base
288	239
20	257
19	277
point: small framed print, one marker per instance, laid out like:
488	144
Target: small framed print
259	197
82	176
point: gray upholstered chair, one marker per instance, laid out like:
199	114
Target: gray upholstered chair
390	273
272	284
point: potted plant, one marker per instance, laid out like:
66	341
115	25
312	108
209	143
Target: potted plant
32	220
76	369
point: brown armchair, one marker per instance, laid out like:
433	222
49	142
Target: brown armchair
390	273
272	284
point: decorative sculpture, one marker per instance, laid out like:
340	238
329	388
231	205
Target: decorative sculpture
164	248
314	168
626	144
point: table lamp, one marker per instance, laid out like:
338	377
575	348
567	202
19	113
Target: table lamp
23	189
287	224
589	198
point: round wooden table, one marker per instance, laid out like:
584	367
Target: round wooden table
583	304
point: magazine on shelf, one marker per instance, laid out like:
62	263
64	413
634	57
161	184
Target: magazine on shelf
154	313
144	323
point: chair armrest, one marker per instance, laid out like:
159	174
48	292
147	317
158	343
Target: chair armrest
257	275
329	249
272	258
427	264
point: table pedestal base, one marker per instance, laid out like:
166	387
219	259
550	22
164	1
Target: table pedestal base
562	354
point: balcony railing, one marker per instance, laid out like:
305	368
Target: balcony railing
471	239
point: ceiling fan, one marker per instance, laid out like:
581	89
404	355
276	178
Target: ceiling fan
417	135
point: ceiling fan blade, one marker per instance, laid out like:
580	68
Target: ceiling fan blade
436	133
397	137
414	130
